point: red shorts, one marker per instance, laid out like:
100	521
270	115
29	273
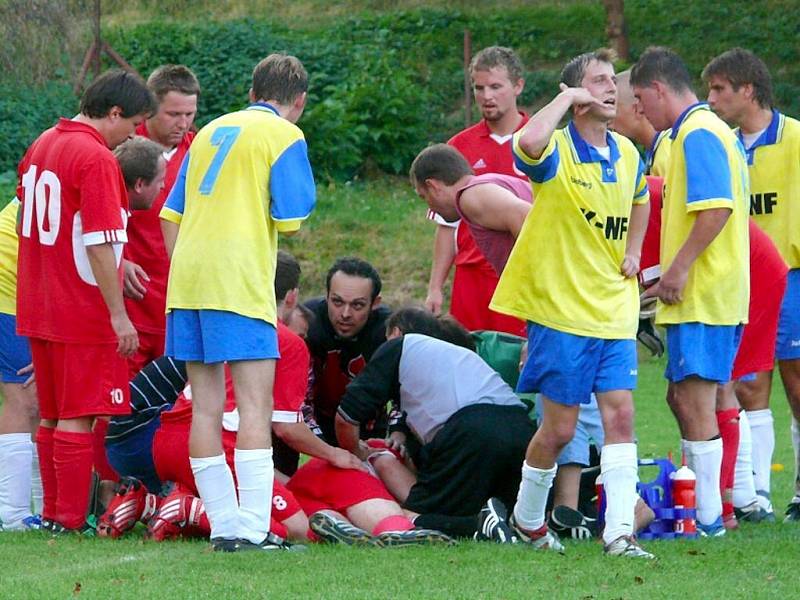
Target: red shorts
757	348
171	458
79	380
318	485
473	288
151	347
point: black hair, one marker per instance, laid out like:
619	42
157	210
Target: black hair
355	267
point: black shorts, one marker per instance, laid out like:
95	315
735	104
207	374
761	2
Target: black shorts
476	455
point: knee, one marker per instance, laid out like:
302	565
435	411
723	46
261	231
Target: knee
619	421
558	435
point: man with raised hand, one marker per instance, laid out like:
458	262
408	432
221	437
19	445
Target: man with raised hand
497	82
704	287
740	91
571	275
245	179
71	230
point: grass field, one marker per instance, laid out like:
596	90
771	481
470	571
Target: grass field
383	222
754	562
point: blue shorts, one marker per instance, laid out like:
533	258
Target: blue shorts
132	455
589	428
700	350
15	351
213	336
787	344
567	368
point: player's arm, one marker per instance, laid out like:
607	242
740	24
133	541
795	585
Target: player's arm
103	263
367	395
536	134
709	194
301	439
444	253
494	207
637	226
293	193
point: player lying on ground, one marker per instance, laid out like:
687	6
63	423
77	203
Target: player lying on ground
466	431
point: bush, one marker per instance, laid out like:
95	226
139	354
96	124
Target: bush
383	86
27	111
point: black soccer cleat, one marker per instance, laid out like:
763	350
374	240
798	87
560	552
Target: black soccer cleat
493	523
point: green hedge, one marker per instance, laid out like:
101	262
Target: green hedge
384	86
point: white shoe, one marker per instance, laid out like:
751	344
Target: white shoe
541	539
626	545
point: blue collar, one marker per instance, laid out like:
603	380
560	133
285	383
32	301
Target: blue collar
768	136
264	106
685	115
586	152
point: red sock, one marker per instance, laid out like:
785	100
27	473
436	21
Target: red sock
728	421
393	523
44	446
72	457
278	529
101	465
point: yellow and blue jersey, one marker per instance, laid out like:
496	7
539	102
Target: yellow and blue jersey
774	166
657	155
564	270
245	178
707	169
9	244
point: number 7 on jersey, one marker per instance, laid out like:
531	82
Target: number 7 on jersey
224	138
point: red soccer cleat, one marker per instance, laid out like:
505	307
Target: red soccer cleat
131	503
180	514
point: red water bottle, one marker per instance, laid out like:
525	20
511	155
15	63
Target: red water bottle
683	497
601	500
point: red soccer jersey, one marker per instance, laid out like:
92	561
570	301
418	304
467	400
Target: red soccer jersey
73	195
146	247
289	391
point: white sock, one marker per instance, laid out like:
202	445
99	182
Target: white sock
254	476
763	432
705	459
16	451
37	493
744	487
532	496
214	481
796	448
620	472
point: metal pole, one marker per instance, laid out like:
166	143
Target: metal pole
467	78
98	45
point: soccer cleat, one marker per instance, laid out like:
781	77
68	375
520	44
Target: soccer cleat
626	545
715	529
338	531
493	523
131	503
271	543
570	522
180	514
752	513
729	521
766	504
29	523
85	530
541	539
793	511
224	545
414	537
